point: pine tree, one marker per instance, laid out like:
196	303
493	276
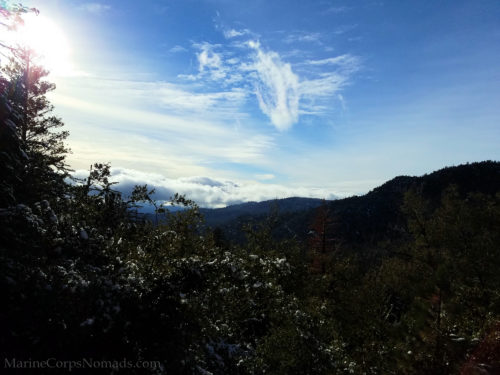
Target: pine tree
322	244
12	154
38	128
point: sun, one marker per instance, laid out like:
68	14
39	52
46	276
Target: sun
48	41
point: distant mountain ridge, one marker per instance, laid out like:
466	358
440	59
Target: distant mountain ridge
221	216
366	219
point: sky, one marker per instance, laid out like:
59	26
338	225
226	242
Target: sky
230	101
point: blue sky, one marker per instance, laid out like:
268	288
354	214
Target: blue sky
229	101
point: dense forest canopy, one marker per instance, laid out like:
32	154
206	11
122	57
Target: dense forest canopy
403	280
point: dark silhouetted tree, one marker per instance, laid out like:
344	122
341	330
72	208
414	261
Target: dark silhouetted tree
38	128
322	242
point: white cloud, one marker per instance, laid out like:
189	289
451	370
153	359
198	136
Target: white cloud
346	60
283	91
232	33
202	181
344	29
326	85
233	61
220	67
178	100
336	10
276	87
303	37
321	90
157	126
341	99
210	62
177	48
204	123
208	192
318	95
95	8
207	58
187	77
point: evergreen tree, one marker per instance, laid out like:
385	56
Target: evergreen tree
321	241
38	128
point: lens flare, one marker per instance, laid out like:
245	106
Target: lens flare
48	41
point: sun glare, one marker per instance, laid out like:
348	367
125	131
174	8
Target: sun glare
43	36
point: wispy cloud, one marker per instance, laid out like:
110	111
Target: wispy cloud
182	101
320	90
205	118
344	29
177	48
317	93
276	87
95	8
165	97
304	37
215	63
233	33
210	62
345	60
336	10
283	91
181	131
208	58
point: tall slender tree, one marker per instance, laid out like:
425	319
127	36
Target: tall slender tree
322	242
38	128
12	155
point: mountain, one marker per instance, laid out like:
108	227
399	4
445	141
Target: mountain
377	215
232	218
361	221
222	216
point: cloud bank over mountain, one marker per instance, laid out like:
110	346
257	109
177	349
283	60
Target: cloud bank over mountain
208	192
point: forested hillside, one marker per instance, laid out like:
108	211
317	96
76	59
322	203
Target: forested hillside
362	220
222	216
84	276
